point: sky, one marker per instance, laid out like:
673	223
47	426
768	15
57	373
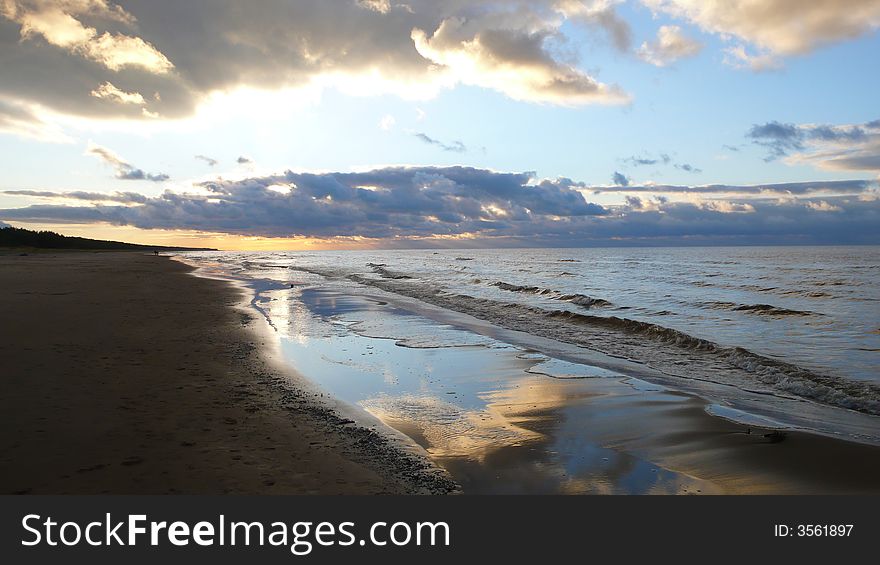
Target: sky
286	124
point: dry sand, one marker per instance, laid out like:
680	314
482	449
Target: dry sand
123	374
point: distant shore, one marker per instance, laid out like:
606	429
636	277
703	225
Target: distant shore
123	374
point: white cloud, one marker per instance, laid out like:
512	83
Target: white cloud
670	46
381	6
108	91
57	23
778	27
739	58
823	206
387	122
512	61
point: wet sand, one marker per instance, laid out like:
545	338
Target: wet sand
123	374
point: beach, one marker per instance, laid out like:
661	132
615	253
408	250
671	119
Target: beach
124	374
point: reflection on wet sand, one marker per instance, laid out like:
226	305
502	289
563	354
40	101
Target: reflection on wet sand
531	437
476	406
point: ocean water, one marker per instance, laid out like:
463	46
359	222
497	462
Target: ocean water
786	336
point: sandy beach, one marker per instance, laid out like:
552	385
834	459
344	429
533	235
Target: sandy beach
123	374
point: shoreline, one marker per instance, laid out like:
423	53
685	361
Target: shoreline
128	375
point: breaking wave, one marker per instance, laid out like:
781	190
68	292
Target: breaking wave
579	299
760	309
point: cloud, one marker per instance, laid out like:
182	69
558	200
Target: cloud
598	14
688	168
108	91
23	120
455	146
55	53
670	46
121	197
514	61
661	159
211	162
637	161
4	225
619	179
381	6
124	170
391	202
838	187
387	122
57	23
242	160
739	57
407	204
776	27
823	206
848	147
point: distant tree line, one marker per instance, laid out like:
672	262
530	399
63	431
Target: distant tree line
18	237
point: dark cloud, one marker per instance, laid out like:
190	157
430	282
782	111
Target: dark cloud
777	189
455	146
389	202
124	170
781	139
402	203
139	174
637	161
242	160
661	159
619	179
122	197
756	222
211	162
634	202
688	168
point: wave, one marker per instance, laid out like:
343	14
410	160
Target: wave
579	299
379	269
671	351
761	309
808	293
